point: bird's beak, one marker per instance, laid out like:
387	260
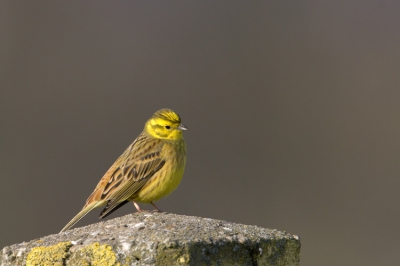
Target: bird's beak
182	127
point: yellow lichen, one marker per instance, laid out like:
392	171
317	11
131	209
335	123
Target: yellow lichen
48	256
58	255
99	255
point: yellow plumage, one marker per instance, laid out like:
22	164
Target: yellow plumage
149	169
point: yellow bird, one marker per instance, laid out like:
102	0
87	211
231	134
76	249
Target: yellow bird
149	169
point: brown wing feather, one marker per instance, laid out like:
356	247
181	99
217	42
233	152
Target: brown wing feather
140	161
128	189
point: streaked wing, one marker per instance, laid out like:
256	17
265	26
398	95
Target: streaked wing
140	161
130	186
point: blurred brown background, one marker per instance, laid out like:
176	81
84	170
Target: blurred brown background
292	109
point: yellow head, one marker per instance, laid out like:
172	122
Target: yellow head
165	124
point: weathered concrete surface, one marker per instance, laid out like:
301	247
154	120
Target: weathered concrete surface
158	239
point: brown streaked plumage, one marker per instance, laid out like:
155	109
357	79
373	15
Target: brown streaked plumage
149	169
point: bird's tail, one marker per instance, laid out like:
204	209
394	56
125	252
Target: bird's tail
81	214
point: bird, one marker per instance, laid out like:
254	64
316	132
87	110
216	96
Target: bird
149	169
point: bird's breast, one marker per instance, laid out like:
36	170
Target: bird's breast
168	177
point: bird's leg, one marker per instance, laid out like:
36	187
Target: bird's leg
158	210
140	210
137	206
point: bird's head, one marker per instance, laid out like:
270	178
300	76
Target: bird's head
165	124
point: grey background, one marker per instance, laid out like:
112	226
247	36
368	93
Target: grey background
292	109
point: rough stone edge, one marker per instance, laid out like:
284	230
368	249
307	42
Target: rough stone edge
280	251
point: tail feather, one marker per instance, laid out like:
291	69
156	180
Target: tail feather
81	214
107	211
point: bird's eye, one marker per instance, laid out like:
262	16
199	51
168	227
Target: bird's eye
167	127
